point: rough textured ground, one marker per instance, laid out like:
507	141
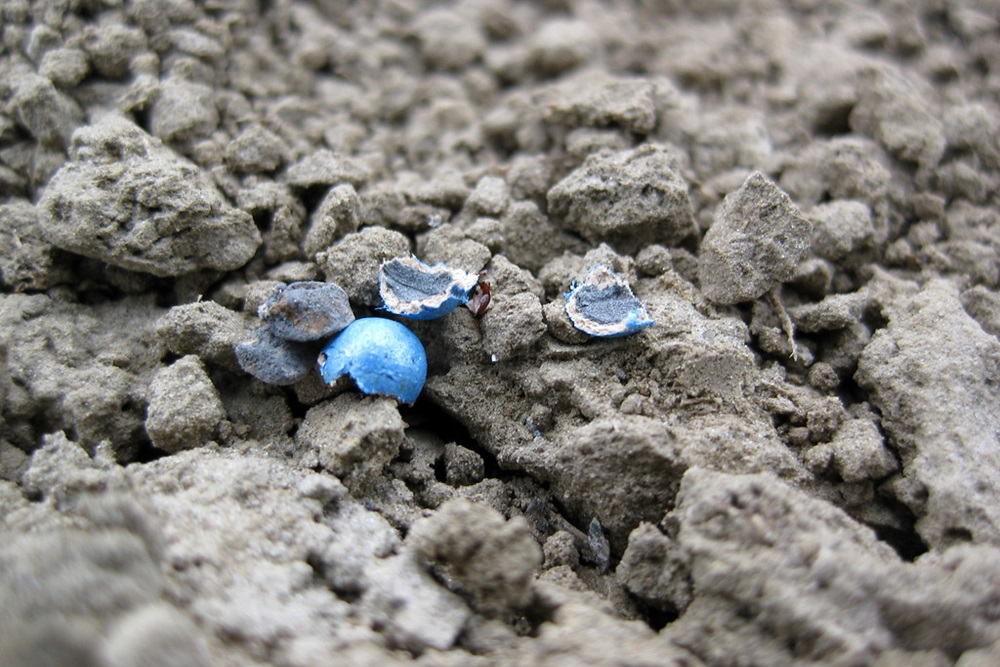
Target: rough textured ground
799	464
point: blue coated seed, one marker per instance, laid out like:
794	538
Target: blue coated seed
381	356
307	310
417	291
603	305
275	360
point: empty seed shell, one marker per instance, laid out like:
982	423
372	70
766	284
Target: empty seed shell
417	291
603	305
381	356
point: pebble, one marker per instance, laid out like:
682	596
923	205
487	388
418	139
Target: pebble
414	290
757	241
353	262
274	360
183	111
126	199
628	199
604	306
381	356
184	406
305	311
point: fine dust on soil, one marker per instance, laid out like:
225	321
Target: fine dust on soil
798	464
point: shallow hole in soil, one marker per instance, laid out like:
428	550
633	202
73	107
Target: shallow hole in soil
834	121
147	453
906	543
312	196
430	416
654	617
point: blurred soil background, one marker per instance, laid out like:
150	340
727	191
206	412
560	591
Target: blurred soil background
798	464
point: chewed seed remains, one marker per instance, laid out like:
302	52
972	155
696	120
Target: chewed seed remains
417	291
603	305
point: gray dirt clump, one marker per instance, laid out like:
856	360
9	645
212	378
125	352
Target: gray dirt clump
203	328
795	464
756	242
182	111
512	325
841	228
184	406
598	101
255	150
157	635
336	216
950	366
125	199
47	113
415	612
71	368
94	578
899	112
628	199
488	560
353	437
353	261
27	261
749	543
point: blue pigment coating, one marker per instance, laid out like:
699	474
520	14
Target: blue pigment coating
603	305
381	356
414	290
275	360
307	310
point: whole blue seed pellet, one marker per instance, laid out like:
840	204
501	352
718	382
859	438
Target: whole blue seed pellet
381	356
275	360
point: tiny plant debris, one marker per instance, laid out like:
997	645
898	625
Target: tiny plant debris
381	356
600	548
604	306
414	290
307	310
479	303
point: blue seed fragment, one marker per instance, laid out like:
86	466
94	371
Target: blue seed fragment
275	360
307	310
603	305
420	292
381	356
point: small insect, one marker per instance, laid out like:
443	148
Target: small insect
480	302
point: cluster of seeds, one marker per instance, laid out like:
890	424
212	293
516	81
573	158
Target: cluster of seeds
306	322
